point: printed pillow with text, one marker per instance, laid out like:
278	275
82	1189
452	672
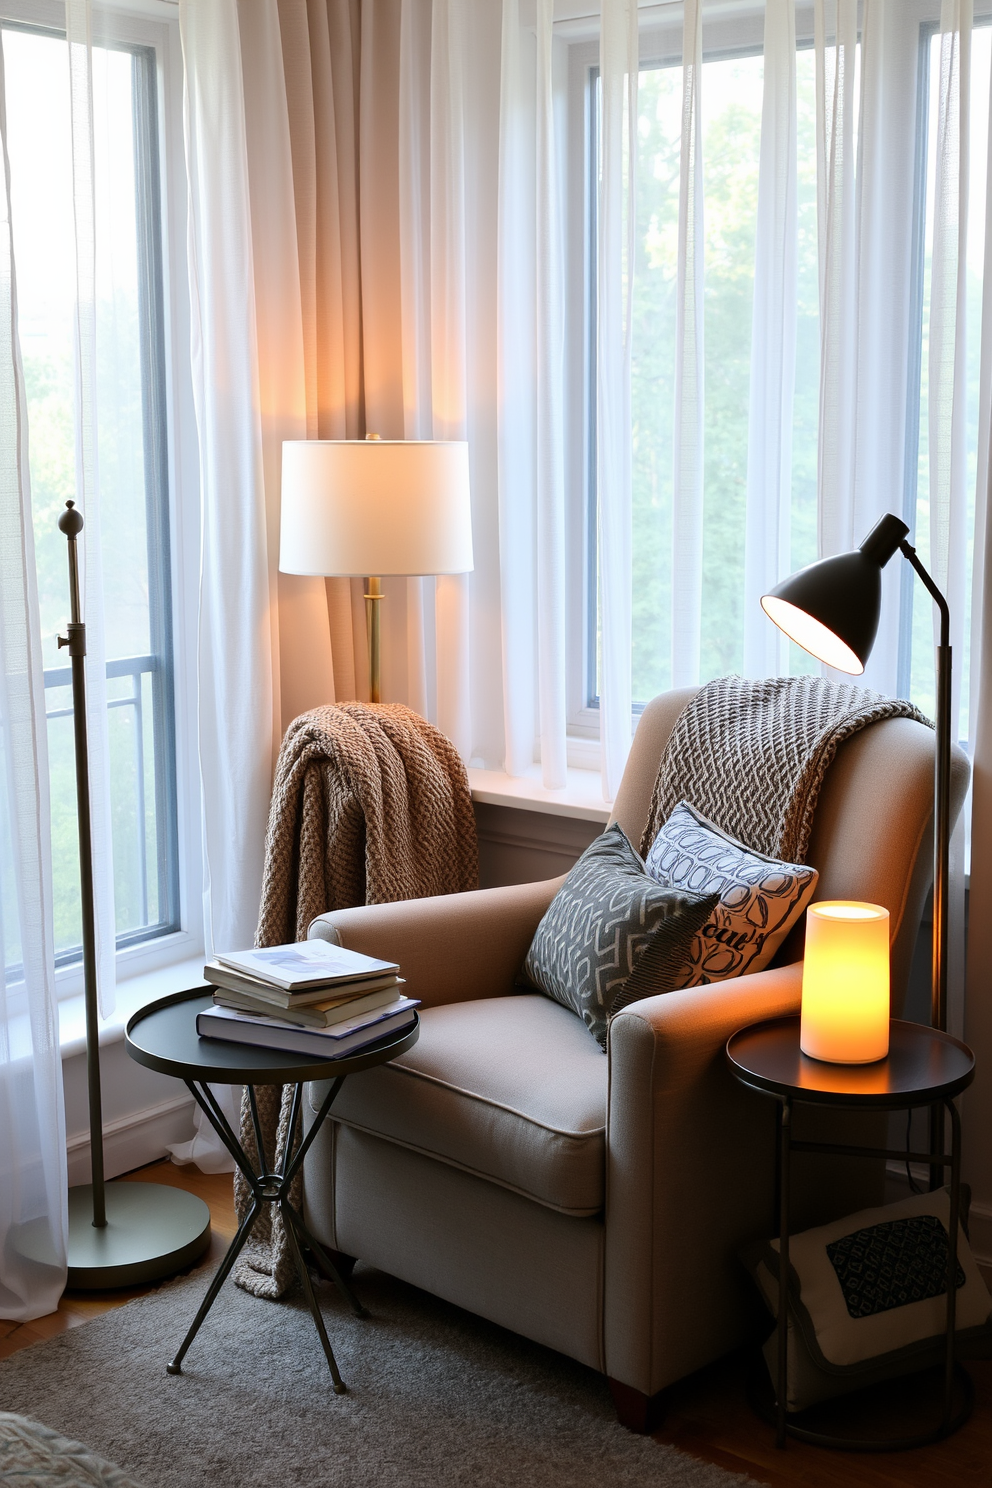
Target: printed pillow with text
760	898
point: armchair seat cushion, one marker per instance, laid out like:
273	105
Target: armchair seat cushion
511	1089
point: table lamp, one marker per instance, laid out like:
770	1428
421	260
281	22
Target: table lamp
368	508
845	1011
831	609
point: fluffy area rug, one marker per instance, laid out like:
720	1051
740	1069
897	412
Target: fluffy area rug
435	1397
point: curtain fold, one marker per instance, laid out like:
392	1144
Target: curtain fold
238	674
33	1177
531	383
947	377
886	180
550	416
516	298
619	64
836	44
947	368
79	36
687	488
768	525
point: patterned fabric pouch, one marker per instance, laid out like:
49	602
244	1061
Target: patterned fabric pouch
868	1298
612	934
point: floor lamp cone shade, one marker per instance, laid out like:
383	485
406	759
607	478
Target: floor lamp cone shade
832	608
375	507
845	1008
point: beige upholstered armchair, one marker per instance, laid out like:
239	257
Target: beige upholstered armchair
597	1203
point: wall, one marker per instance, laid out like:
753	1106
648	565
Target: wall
143	1113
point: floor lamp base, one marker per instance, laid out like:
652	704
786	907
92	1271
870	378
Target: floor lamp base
152	1231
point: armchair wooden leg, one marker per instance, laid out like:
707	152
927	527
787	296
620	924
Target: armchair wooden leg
344	1263
640	1413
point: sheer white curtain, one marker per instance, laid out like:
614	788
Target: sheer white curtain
531	396
886	179
768	524
947	375
836	41
947	368
619	64
238	643
866	152
449	350
33	1180
687	492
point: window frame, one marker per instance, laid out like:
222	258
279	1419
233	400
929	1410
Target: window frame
661	45
150	28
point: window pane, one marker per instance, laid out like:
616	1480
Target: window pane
138	643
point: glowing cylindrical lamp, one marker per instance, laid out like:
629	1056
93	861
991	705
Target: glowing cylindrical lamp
845	1017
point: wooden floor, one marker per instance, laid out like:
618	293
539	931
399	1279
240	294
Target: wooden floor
708	1414
215	1189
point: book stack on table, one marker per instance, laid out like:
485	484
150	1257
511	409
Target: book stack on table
310	998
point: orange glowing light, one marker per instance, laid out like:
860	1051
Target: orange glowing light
845	1015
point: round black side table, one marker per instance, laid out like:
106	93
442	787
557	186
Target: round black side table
163	1036
924	1067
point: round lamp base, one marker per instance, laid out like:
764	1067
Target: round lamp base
152	1231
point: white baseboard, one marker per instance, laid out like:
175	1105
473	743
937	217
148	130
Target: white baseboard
133	1140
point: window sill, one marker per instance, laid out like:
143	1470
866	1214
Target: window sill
581	798
132	994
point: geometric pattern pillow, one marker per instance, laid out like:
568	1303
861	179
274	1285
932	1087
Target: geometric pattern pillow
612	934
760	899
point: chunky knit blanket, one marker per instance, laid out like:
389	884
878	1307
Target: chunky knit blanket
370	804
752	756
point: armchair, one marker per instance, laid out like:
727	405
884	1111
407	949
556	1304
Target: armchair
597	1204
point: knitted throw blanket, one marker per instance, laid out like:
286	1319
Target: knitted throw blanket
370	805
752	755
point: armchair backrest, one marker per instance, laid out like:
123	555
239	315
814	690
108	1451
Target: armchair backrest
872	833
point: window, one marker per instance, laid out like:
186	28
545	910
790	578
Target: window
731	91
132	451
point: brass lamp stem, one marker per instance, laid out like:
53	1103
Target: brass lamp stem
373	600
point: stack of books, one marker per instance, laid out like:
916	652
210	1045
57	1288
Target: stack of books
311	998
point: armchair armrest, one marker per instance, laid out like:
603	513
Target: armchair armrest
690	1176
451	948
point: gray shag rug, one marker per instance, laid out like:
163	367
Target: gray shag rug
435	1397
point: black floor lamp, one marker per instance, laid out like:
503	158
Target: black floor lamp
831	609
120	1234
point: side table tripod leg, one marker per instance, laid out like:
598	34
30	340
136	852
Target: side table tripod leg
339	1386
220	1276
324	1262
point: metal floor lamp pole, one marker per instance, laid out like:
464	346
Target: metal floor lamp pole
941	839
120	1234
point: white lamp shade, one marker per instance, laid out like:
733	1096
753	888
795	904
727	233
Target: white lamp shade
845	1012
375	507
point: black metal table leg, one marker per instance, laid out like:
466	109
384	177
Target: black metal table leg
220	1276
952	1262
782	1371
308	1292
271	1186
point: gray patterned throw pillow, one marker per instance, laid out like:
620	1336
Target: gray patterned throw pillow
612	934
759	898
